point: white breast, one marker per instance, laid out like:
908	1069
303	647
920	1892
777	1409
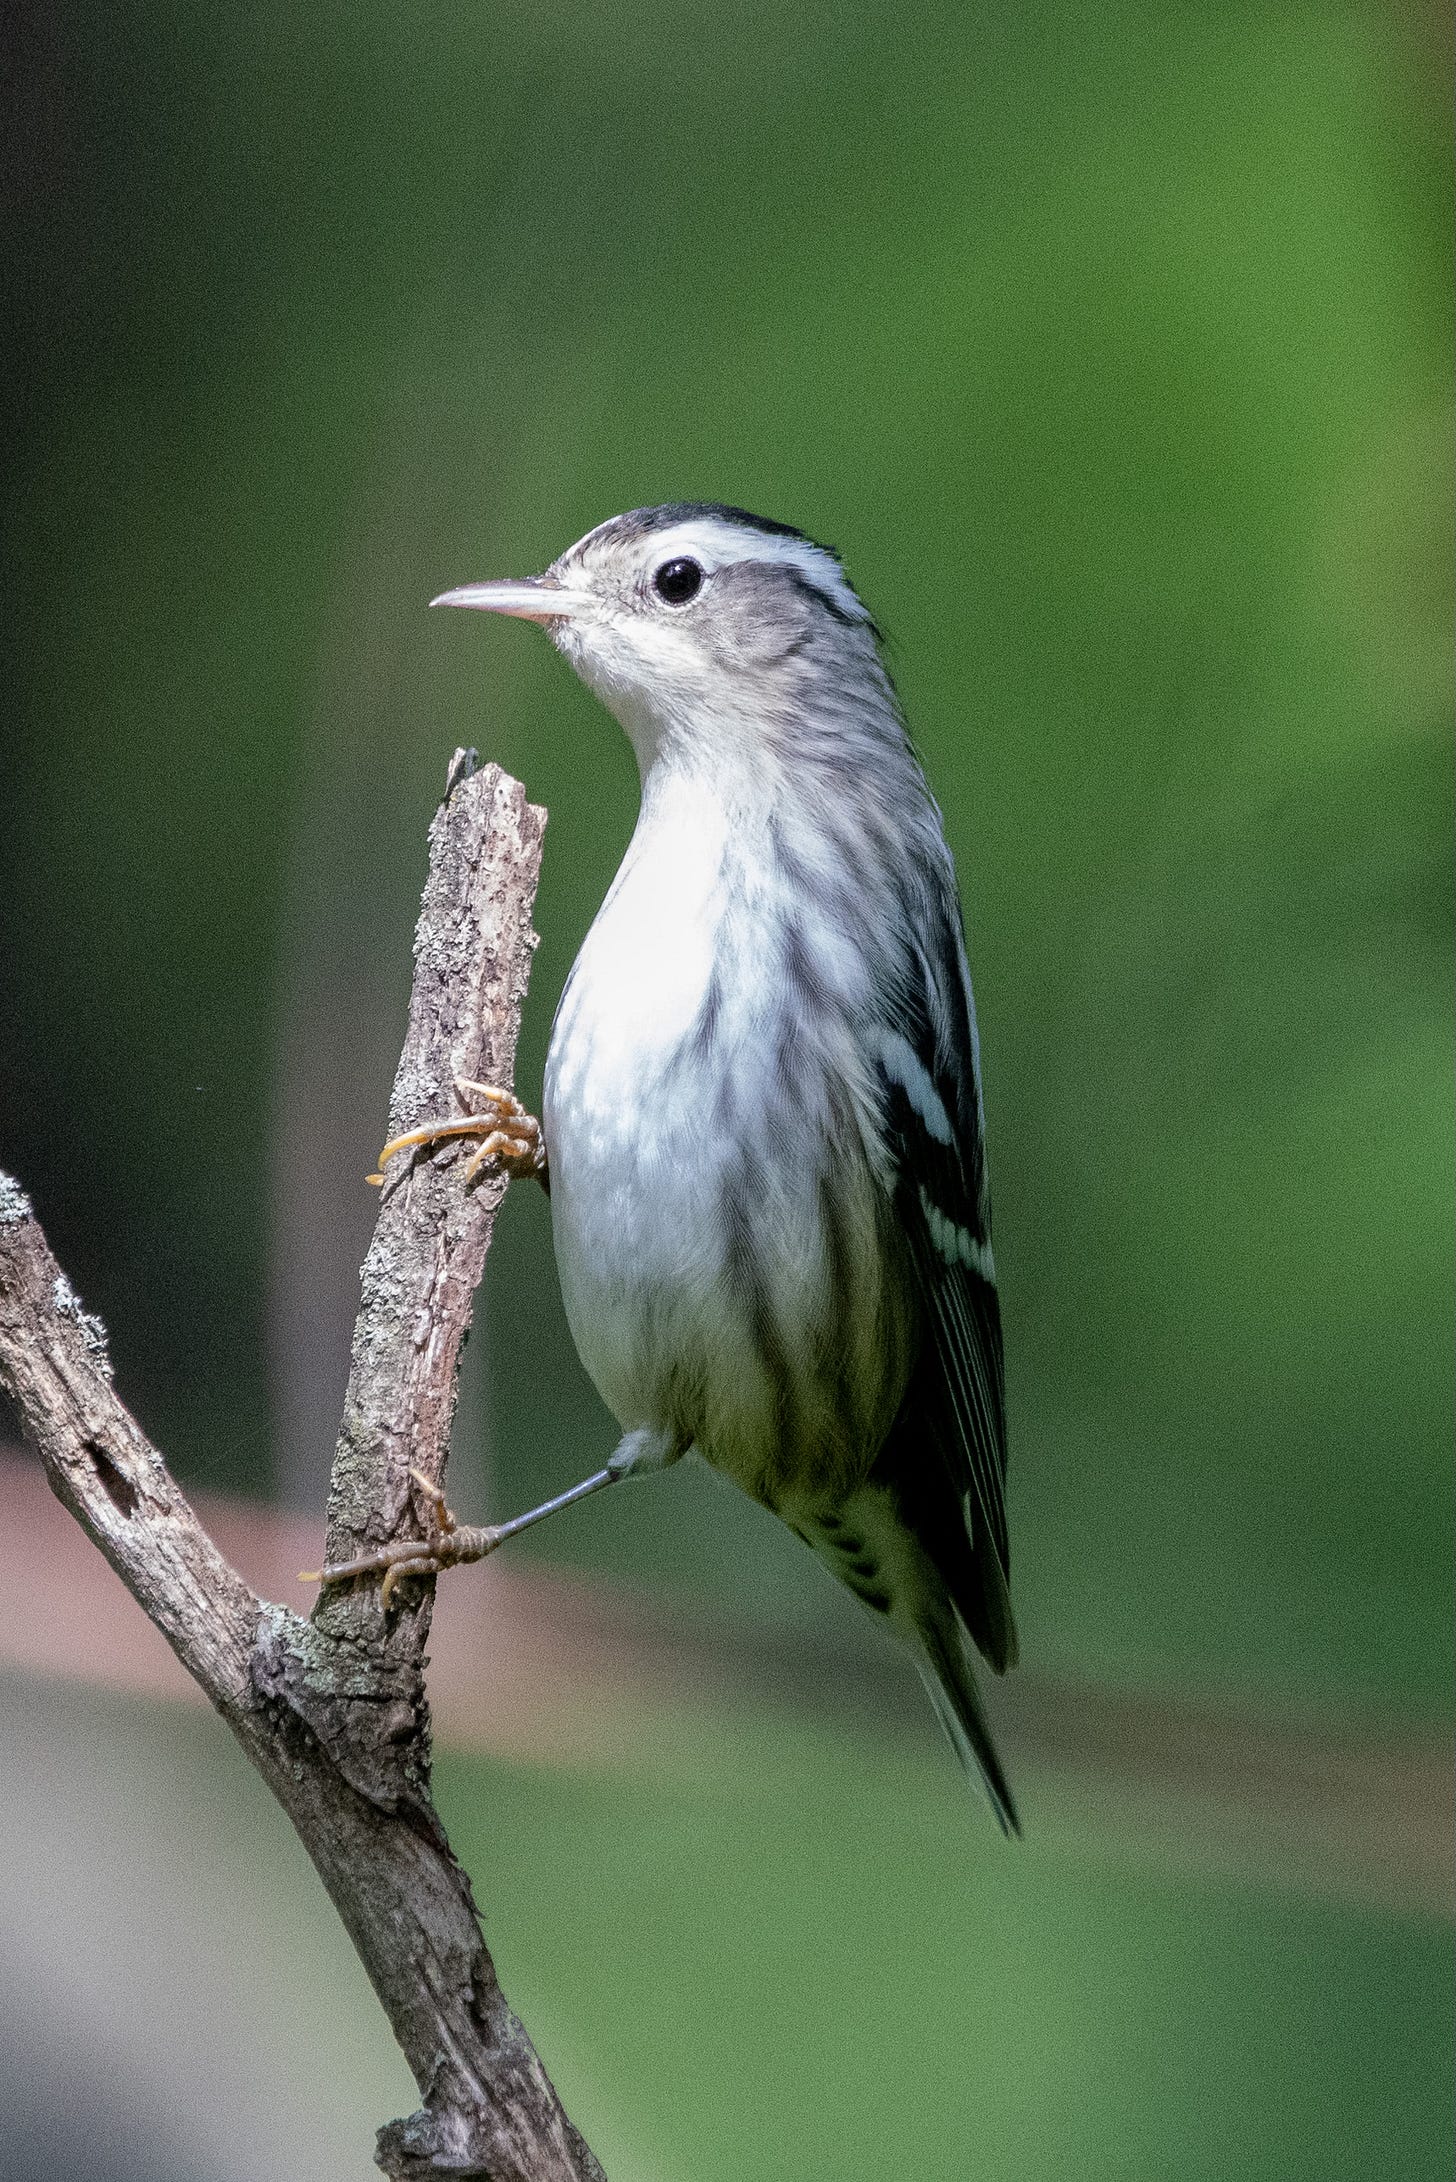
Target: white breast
634	1180
695	1107
642	978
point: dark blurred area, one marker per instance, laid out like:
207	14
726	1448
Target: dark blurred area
1112	348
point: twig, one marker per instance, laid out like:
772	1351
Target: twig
333	1712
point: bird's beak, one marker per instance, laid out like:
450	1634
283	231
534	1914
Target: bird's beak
531	598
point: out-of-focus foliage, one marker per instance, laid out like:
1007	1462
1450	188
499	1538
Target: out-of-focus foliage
873	1993
1110	347
746	1949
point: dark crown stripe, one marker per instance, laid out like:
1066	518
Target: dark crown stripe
643	521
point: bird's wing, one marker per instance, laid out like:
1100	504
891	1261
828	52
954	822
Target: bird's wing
947	1454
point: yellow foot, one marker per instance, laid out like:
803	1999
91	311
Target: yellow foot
447	1544
512	1137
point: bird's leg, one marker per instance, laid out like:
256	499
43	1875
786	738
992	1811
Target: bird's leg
449	1544
510	1135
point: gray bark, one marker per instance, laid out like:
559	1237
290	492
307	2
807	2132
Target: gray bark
333	1711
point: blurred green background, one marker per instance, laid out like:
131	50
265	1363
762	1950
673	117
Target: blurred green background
1112	348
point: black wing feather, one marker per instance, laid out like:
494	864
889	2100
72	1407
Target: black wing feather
946	1457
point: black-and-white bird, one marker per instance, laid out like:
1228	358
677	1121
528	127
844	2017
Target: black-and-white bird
763	1106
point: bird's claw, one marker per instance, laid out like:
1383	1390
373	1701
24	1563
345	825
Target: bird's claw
448	1544
514	1137
510	1136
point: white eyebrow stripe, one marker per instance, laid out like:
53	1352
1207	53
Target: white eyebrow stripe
909	1071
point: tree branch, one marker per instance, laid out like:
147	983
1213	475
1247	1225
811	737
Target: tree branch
333	1712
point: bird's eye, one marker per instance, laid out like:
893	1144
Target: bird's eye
678	581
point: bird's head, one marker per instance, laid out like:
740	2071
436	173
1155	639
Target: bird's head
700	627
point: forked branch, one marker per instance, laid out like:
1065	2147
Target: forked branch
333	1711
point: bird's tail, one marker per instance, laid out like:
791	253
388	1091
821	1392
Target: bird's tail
945	1668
